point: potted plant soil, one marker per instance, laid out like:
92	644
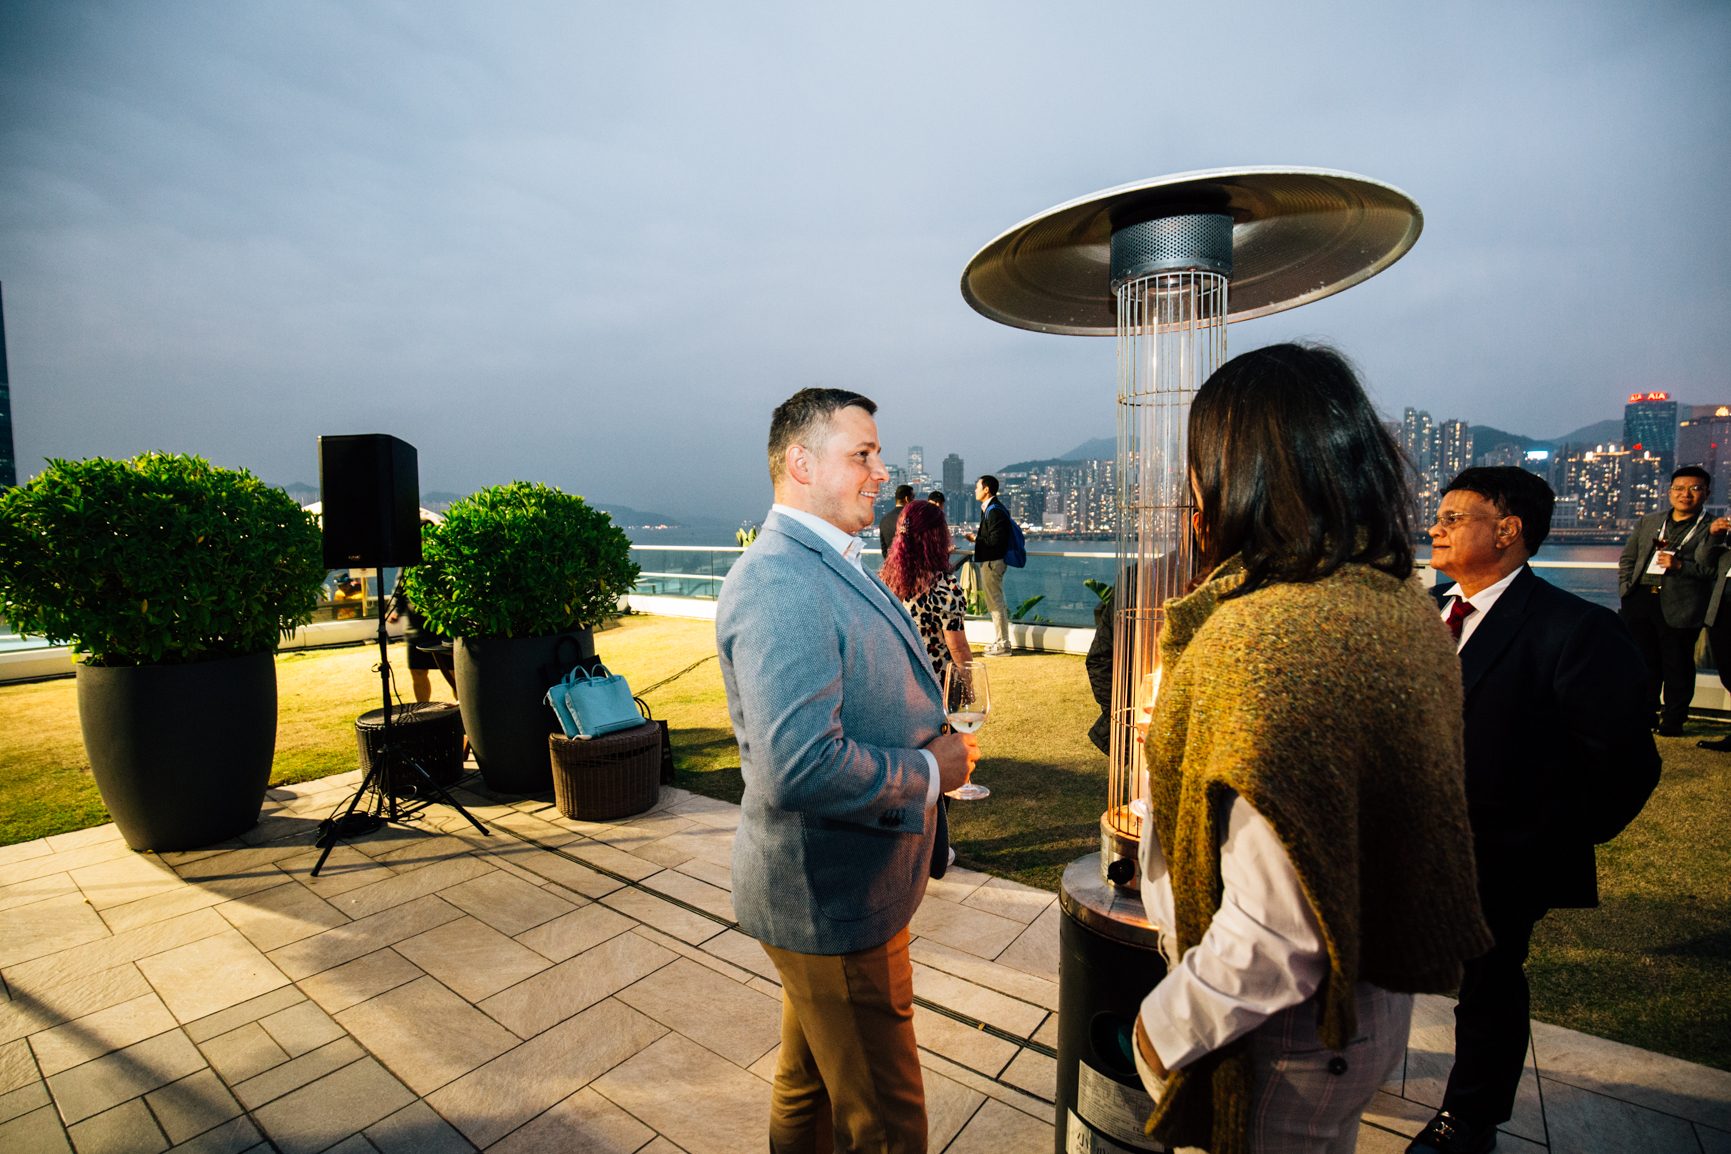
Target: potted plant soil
519	575
174	580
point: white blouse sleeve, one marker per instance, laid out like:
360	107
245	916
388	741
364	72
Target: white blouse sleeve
1262	953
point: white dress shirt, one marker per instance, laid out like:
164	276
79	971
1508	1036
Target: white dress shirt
1481	603
1263	950
850	547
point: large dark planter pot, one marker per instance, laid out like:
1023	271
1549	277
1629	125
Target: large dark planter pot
181	753
501	682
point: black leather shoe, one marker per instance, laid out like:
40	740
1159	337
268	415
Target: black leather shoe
1723	745
1447	1134
1671	729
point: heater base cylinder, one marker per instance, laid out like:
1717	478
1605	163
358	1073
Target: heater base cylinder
1108	960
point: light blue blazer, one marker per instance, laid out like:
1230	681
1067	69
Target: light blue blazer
831	695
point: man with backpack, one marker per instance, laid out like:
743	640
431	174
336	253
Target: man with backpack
998	544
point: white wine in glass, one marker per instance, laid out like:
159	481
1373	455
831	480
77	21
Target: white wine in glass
967	700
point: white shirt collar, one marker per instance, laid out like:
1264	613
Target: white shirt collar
848	545
1481	603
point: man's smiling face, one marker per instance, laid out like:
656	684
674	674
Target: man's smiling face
846	470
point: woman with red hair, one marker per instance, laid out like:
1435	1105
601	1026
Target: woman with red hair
917	569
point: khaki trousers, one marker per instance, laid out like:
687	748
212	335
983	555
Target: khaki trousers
992	584
849	1074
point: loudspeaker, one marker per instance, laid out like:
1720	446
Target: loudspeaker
371	488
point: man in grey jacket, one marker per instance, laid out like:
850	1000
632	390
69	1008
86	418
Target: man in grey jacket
1665	579
839	721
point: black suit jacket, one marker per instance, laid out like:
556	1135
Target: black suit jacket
1559	751
992	538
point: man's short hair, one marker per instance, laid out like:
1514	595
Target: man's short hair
904	494
936	497
1514	492
801	418
1694	471
990	482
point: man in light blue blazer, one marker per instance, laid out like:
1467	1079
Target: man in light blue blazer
839	720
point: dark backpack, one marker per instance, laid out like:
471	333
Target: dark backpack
1016	556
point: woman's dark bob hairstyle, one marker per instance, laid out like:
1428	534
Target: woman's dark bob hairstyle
1293	470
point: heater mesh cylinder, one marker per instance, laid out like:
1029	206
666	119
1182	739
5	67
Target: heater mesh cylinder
1171	337
1194	242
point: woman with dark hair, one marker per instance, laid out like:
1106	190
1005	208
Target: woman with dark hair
1306	853
917	569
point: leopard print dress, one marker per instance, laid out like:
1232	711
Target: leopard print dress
939	609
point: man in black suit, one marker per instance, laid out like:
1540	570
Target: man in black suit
1559	757
1665	578
890	521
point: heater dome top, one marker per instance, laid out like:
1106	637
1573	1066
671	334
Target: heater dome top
1298	235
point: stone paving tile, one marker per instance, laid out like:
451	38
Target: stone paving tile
332	948
735	1104
692	892
126	1129
743	951
992	975
85	1091
949	1106
413	850
965	928
243	1052
26	868
603	856
632	836
1011	900
211	974
354	982
124	879
341	1103
38	1132
1047	1034
719	876
1035	950
416	1129
663	915
40	1008
44	928
301	1028
238	872
406	887
193	1105
708	811
16	1103
538	830
1430	1054
425	1034
17	1066
1656	1081
183	899
1035	1073
119	949
1000	1010
702	844
956	884
36	889
507	903
1713	1141
297	1072
997	1091
969	1047
718	1014
346	869
90	835
20	851
726	969
251	1010
500	1096
1582	1122
584	1123
472	958
94	1035
552	867
575	984
273	918
575	932
997	1129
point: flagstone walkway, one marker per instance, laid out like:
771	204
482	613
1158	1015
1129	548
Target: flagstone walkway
565	986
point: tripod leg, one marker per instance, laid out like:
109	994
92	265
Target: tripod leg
427	783
337	829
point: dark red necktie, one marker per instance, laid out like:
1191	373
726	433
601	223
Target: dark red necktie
1458	613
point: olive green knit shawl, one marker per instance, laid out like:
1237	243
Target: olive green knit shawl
1334	708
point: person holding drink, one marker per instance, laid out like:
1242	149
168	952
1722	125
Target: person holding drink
1306	853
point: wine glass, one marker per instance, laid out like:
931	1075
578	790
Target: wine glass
967	700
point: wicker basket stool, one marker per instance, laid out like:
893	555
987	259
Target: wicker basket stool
430	732
614	775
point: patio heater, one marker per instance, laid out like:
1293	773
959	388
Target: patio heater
1151	264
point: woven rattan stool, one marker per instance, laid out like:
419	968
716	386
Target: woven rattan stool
614	775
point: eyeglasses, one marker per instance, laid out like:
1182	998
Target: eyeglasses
1450	520
1688	488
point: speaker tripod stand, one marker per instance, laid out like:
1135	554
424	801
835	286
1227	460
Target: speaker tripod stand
376	787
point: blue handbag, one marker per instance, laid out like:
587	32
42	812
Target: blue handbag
592	703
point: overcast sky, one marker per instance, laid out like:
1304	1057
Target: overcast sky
595	244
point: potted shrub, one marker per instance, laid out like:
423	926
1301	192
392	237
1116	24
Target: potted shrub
174	580
519	575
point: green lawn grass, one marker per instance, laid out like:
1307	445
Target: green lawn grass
1651	967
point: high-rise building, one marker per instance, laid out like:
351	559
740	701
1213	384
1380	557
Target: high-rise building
917	466
1650	426
8	458
1705	439
1454	449
955	490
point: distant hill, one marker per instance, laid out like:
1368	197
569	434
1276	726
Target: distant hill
1042	463
1597	433
438	500
1099	449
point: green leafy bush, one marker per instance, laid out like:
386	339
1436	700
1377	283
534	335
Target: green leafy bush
163	559
520	560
